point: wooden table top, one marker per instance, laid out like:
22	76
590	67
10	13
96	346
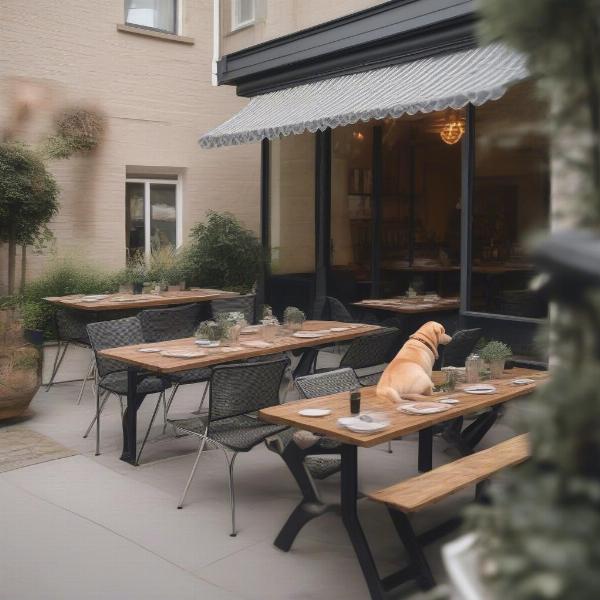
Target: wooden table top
415	305
401	423
127	301
157	362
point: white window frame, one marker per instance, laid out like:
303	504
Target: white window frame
236	13
147	215
178	20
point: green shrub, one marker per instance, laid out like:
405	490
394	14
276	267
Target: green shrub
222	254
495	350
62	276
165	266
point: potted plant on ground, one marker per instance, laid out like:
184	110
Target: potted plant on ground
495	354
293	318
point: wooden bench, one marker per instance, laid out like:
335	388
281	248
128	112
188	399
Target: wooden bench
417	493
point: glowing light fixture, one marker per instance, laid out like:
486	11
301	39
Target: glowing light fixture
452	132
358	135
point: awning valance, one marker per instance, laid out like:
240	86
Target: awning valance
426	85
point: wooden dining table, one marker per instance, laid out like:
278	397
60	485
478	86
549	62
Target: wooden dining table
400	424
411	305
166	358
127	301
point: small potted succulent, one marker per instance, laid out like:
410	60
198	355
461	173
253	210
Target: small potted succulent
293	318
233	323
135	274
495	354
213	331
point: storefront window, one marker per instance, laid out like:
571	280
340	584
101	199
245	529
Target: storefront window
510	201
292	222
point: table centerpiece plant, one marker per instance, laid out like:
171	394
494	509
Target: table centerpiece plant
233	323
495	354
293	318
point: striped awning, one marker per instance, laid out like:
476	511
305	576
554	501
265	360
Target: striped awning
426	85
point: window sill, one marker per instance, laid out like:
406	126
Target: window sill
169	37
242	26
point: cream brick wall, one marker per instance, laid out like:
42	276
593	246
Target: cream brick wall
281	17
158	98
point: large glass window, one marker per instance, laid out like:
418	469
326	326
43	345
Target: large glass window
151	215
152	14
510	201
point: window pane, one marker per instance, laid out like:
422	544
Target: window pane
134	218
510	201
163	215
156	14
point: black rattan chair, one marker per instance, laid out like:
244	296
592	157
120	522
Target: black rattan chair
462	344
112	374
236	391
70	330
162	324
244	304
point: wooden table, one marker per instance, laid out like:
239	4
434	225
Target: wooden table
311	506
410	306
164	365
129	301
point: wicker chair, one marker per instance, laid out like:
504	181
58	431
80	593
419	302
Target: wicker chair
112	374
245	304
70	330
462	344
162	324
236	391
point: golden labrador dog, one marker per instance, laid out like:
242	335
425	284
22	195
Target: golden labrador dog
408	376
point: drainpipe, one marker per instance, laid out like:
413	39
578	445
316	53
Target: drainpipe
216	38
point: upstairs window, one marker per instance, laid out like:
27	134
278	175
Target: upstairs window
243	13
159	15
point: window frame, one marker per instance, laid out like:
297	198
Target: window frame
236	23
177	20
148	181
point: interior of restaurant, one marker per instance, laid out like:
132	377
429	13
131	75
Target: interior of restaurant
396	187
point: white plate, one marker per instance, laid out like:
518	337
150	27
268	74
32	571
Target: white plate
182	353
311	334
207	343
423	408
338	329
149	350
480	389
523	381
314	412
94	298
366	427
448	401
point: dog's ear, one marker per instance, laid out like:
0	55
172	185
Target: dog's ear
442	337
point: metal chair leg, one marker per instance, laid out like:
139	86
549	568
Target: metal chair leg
187	485
57	363
98	398
160	399
203	398
168	406
389	447
86	378
232	492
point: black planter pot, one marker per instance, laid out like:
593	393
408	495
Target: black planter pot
34	336
138	288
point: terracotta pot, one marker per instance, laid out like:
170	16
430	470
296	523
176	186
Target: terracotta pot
20	366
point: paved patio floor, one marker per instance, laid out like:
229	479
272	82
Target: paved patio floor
87	527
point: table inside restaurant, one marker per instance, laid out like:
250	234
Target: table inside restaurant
126	301
311	506
249	346
411	306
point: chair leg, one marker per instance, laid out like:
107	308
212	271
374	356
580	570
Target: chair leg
57	362
230	464
187	485
168	406
86	378
98	411
203	398
389	447
160	399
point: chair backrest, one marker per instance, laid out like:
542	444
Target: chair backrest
327	308
159	324
371	349
243	388
113	334
71	327
331	382
245	304
462	344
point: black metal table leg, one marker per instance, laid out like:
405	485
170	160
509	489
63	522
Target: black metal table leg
305	364
309	507
349	495
130	418
473	434
425	449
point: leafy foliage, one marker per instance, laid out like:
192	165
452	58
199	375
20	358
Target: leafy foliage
165	266
495	350
78	130
222	254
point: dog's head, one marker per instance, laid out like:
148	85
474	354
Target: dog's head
434	333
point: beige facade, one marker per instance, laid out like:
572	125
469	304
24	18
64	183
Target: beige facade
158	99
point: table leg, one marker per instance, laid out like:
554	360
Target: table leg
309	507
349	494
130	418
473	434
306	362
425	449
